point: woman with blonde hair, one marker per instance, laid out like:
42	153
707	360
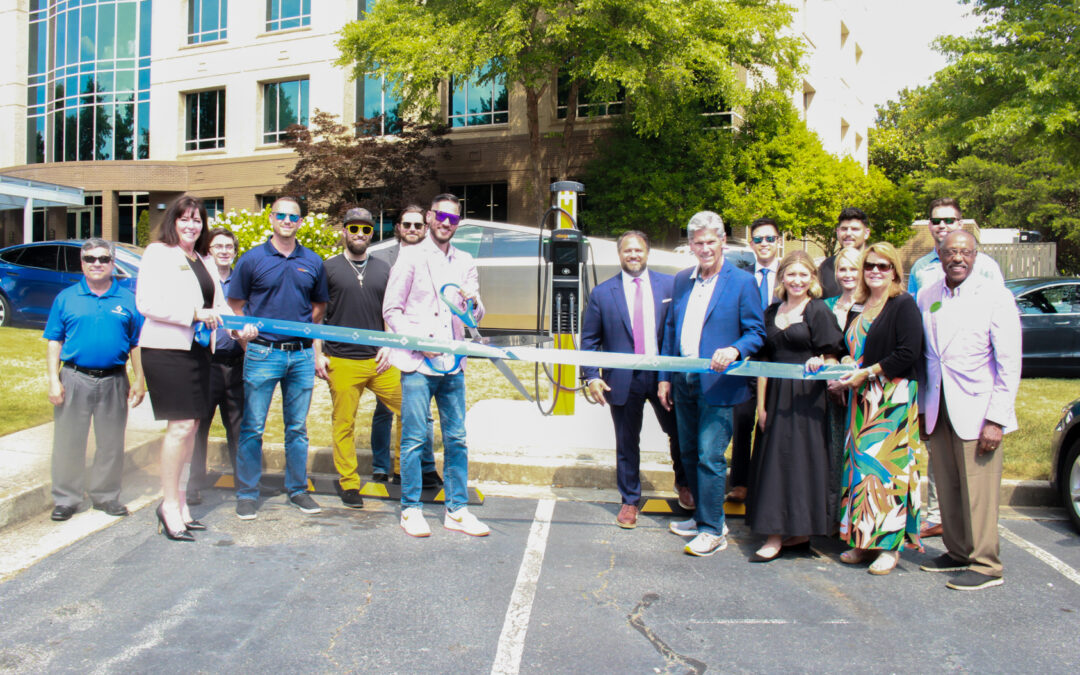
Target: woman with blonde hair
790	468
880	500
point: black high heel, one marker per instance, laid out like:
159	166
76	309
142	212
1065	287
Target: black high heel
194	525
178	535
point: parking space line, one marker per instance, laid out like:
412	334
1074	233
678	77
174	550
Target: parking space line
516	623
1053	561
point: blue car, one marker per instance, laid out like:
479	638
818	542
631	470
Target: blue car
32	275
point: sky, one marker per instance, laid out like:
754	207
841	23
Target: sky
897	48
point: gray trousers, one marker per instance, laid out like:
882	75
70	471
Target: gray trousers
105	401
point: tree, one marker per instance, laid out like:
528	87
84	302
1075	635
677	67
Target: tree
661	53
772	166
338	168
999	127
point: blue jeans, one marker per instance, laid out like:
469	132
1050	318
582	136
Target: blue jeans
381	422
417	390
264	368
704	434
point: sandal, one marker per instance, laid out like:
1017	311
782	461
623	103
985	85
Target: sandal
885	563
855	556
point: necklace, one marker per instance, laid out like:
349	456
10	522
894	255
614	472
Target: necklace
359	267
791	315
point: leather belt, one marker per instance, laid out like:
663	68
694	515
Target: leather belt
95	372
288	346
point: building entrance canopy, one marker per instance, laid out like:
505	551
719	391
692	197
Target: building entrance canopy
19	193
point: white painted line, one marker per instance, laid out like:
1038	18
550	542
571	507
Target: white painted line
154	633
516	623
770	622
1051	560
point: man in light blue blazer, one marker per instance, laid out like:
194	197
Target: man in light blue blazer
626	314
715	314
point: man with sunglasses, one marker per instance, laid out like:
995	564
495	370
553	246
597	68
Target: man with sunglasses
945	218
852	229
92	329
357	283
765	241
280	279
414	306
409	230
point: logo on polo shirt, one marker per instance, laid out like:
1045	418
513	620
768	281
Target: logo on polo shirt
119	309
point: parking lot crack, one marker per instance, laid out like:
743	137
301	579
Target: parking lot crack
672	658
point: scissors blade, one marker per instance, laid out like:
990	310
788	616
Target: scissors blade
503	368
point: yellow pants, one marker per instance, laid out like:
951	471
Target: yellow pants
348	378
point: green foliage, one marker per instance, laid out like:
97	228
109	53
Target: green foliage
142	229
999	127
252	229
661	53
773	166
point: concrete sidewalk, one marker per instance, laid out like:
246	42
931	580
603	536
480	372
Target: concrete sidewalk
510	442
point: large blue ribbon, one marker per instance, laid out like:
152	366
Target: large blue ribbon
569	357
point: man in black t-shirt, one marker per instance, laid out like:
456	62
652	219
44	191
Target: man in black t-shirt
356	283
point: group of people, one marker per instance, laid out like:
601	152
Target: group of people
814	457
810	457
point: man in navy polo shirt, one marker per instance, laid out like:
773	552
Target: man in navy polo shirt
280	279
93	326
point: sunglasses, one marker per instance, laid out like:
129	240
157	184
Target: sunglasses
412	225
769	238
353	228
91	259
939	221
291	217
450	218
879	266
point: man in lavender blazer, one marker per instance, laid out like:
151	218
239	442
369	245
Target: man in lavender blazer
413	306
968	394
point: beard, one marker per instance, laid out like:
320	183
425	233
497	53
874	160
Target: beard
357	246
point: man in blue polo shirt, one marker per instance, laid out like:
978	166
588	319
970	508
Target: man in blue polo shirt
93	326
280	279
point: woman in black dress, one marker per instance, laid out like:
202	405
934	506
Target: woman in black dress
790	469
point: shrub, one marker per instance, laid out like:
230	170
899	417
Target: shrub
252	229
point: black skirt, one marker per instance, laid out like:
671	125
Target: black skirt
178	381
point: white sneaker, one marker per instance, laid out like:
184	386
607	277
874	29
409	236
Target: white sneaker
688	528
684	528
705	544
463	521
412	521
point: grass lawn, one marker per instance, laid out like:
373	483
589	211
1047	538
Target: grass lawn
23	403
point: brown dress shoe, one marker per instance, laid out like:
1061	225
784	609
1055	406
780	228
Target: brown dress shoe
627	518
737	495
930	531
686	498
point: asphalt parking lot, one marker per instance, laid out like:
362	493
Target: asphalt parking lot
556	588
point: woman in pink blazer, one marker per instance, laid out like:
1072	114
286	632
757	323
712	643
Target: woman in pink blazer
178	293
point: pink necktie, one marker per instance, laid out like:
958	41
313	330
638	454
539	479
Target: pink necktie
638	322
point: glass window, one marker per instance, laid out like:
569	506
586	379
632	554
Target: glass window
282	14
508	244
214	206
12	256
42	257
205	120
586	107
130	207
284	104
1064	299
472	103
374	102
72	258
207	20
468	238
486	201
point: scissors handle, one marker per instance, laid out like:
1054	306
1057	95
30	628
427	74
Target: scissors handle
465	315
457	364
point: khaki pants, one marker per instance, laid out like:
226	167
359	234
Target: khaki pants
968	487
348	378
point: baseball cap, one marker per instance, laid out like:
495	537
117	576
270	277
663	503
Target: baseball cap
358	215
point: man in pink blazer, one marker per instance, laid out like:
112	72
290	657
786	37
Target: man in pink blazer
412	306
968	394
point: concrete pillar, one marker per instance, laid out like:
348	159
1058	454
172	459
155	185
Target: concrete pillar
110	216
28	220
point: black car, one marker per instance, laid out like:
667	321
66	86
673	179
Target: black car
1050	317
1065	469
